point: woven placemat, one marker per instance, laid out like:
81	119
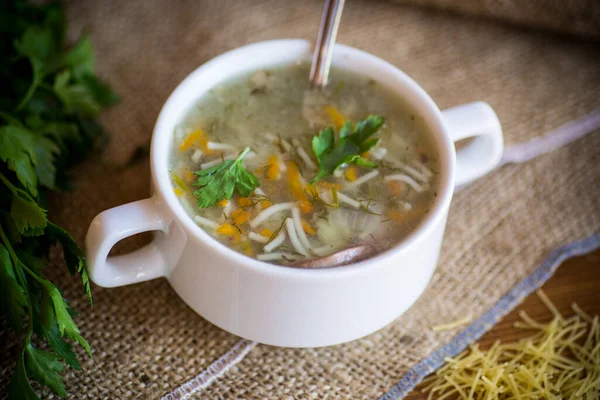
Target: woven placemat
146	342
578	17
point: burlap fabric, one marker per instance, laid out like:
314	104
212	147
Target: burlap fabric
579	17
146	342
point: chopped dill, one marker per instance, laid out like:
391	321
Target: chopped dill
366	209
290	250
180	183
274	235
315	198
279	144
334	195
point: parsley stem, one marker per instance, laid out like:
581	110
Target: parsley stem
242	154
10	119
35	80
9	185
17	269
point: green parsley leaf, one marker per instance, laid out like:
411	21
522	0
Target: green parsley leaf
28	216
46	367
73	255
353	141
76	97
219	182
19	387
17	149
62	348
12	296
45	150
63	317
49	98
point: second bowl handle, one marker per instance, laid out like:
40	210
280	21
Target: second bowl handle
480	156
118	223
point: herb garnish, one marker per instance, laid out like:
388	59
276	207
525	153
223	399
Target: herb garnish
49	99
352	142
219	182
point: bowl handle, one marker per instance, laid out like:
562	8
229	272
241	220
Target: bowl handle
480	156
118	223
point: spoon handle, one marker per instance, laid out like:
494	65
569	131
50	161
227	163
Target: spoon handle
319	70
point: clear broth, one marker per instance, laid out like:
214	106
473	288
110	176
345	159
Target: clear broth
273	110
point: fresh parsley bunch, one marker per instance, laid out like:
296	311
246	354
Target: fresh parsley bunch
49	99
219	182
353	141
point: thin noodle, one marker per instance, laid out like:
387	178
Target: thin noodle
285	144
257	237
206	222
348	200
219	146
299	228
197	156
303	155
421	167
275	242
229	208
268	212
379	153
365	178
415	174
218	161
277	256
406	179
289	223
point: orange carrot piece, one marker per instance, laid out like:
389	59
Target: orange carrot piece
336	117
305	206
397	188
189	176
244	201
228	230
197	137
308	227
272	168
223	203
240	216
328	185
295	182
351	173
396	216
265	204
266	232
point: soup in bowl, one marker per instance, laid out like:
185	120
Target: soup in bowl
241	136
283	173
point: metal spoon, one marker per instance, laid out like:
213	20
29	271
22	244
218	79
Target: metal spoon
319	74
319	70
346	256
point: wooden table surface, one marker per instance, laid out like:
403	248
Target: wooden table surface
576	281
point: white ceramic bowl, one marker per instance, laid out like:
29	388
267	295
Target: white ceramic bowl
280	305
